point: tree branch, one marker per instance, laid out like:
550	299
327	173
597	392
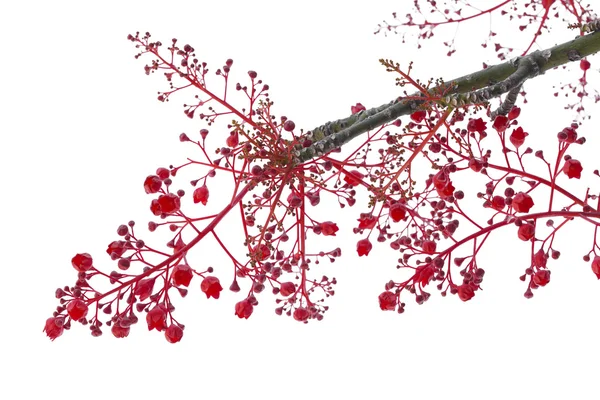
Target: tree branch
473	88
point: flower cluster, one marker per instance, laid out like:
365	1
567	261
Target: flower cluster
427	219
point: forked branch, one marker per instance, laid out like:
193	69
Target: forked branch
473	88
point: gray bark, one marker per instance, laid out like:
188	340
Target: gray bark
474	88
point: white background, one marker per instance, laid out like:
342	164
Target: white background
81	128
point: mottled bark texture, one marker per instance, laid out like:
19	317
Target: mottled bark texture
474	88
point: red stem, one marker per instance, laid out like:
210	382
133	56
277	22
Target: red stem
541	180
529	216
188	246
451	21
539	31
419	148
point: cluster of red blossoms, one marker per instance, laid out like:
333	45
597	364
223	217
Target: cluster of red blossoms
425	219
77	309
440	194
509	205
140	285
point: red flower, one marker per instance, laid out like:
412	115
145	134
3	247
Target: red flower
500	123
182	275
174	333
526	232
117	248
397	212
287	288
152	184
294	200
584	65
476	125
82	262
367	221
119	331
301	314
418	116
201	195
567	135
572	168
261	252
354	178
144	288
540	259
357	108
155	207
498	203
517	137
77	309
514	113
522	202
363	247
440	179
157	318
169	203
596	266
387	301
466	292
424	274
542	277
475	165
211	287
328	228
243	309
163	173
233	139
428	247
54	327
446	191
314	198
443	185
